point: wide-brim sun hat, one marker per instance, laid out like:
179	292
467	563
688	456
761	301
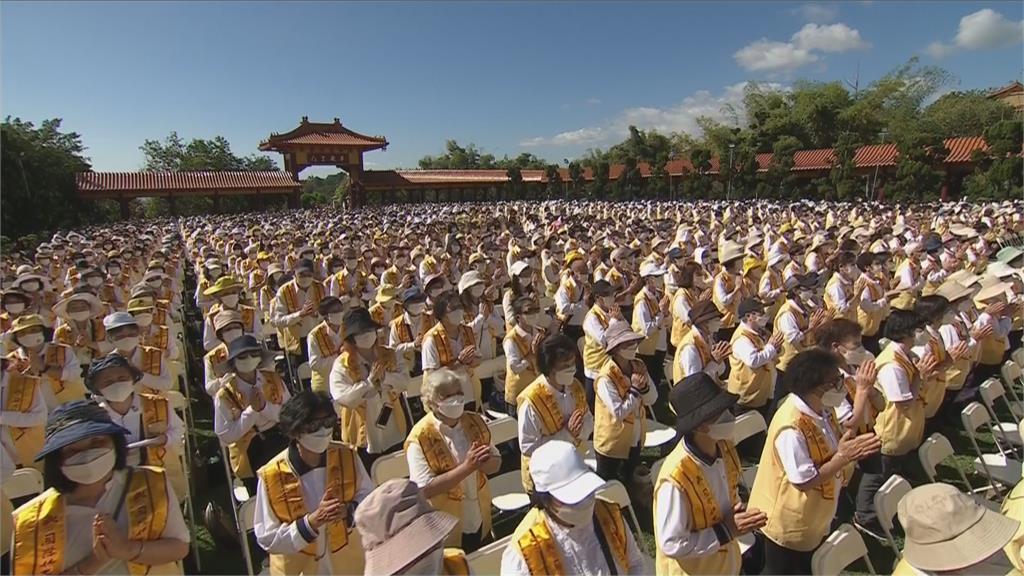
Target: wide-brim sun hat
619	333
697	399
95	306
75	421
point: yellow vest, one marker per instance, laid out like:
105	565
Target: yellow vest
933	390
904	569
789	349
695	339
753	386
571	291
55	355
612	437
288	294
441	460
870	322
851	299
404	335
594	355
681	326
687	475
542	400
40	533
900	431
152	361
516	383
775	282
648	346
957	372
797	519
353	421
907	298
992	349
729	312
21	392
284	491
272	391
321	337
541	552
450	358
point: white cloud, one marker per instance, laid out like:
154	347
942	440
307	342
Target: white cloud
593	101
681	117
818	13
803	48
984	29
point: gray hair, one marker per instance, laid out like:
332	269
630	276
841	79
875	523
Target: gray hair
438	382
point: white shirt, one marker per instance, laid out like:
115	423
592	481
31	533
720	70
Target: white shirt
321	361
837	290
690	362
159	382
354	394
621	407
866	303
674	532
791	448
580	553
515	360
36	415
723	295
402	349
210	340
277	537
531	431
280	317
951	337
230	431
744	350
576	311
790	329
431	357
70	372
132	422
895	383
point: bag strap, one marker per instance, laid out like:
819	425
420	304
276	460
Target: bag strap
124	493
605	549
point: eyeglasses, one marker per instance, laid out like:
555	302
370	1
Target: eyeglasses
329	421
836	382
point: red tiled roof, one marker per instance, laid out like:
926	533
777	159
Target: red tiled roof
875	155
960	149
322	134
149	183
1010	88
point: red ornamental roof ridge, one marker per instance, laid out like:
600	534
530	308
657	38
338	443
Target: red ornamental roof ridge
322	134
1010	88
99	182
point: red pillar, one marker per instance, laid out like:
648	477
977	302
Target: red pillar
125	211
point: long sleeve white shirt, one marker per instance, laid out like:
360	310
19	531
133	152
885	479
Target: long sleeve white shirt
515	361
321	361
795	456
70	372
790	329
132	422
689	361
576	310
866	303
160	382
651	322
723	295
531	431
838	292
744	350
621	407
595	331
354	394
230	430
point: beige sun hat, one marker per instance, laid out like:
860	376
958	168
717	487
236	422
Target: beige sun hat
95	306
729	251
965	277
952	290
619	332
948	530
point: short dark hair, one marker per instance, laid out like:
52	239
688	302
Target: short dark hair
521	304
835	331
298	410
553	349
931	308
842	258
810	370
446	302
687	274
865	260
55	477
902	324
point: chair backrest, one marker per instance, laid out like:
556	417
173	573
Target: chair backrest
391	466
503	430
176	400
842	548
304	371
1018	356
579	343
614	492
991	390
24	482
247	514
487	560
973	417
748	424
1011	371
748	477
888	498
932	451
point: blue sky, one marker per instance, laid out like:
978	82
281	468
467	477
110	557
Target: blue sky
549	78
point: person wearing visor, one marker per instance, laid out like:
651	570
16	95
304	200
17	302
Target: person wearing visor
100	515
154	430
81	326
209	273
569	530
307	494
752	361
55	364
698	514
226	291
247	408
123	334
450	456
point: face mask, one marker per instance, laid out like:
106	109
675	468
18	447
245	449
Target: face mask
230	301
114	270
144	320
477	291
627	353
213	273
317	441
452	407
429	565
119	391
857	356
416	309
350	264
401	262
579	514
89	466
455	316
125	345
15	307
366	341
723	428
154	283
246	365
378	271
608	301
565	377
31	340
80	316
536	319
922	338
31	286
833	398
481	267
44	261
304	282
335	318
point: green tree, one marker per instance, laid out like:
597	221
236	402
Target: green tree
514	186
329	189
966	113
599	185
779	177
999	170
554	179
577	177
843	175
630	181
918	168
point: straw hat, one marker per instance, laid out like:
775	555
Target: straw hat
95	306
952	290
470	279
386	293
729	251
964	277
223	284
619	332
991	288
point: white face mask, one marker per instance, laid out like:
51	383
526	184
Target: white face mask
922	338
144	320
114	270
723	428
833	398
32	286
230	301
627	353
154	282
350	265
94	281
579	514
304	282
15	307
434	292
416	309
537	319
80	316
246	365
125	345
229	336
452	407
455	316
565	377
429	565
335	318
31	340
213	273
366	341
317	441
89	466
608	301
477	291
119	391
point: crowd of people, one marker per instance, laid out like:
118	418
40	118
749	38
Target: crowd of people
853	330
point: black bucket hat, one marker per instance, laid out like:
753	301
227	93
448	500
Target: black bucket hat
697	399
74	421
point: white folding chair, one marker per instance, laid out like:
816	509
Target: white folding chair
503	429
580	342
992	392
657	433
487	560
246	518
616	493
394	465
747	425
668	369
1018	356
997	468
886	500
1013	379
656	469
304	371
507	492
239	493
932	452
841	549
176	400
24	482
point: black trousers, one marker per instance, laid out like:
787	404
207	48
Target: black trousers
473	542
619	469
778	395
871	343
875	470
784	561
575	333
487	393
263	446
655	364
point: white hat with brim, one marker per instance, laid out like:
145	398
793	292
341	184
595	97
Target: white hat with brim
730	251
651	270
965	277
952	290
518	267
44	282
1001	270
992	290
557	469
948	530
95	306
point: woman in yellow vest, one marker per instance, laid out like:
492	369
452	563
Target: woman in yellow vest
451	344
690	290
873	306
752	359
841	296
324	342
932	309
624	389
155	432
227	292
81	326
805	463
450	455
307	494
698	351
900	426
949	532
863	401
228	327
727	288
698	514
797	318
991	301
595	324
23	415
55	364
99	516
569	530
520	346
152	334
